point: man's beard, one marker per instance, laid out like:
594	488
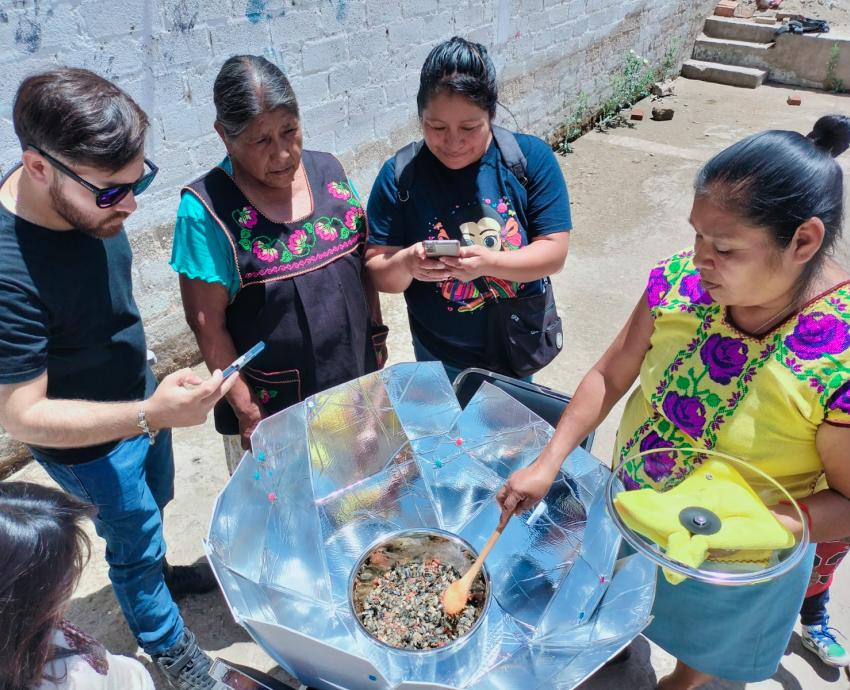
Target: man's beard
101	229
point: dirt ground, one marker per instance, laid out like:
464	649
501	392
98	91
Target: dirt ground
836	12
631	194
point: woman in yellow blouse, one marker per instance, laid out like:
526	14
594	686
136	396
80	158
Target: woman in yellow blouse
742	346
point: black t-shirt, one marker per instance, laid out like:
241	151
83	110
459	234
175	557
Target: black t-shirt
67	308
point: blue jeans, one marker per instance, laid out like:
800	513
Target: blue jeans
130	486
423	355
813	610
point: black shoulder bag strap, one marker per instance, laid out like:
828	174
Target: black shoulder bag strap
512	156
404	169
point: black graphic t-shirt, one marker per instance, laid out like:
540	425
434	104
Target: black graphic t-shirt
488	206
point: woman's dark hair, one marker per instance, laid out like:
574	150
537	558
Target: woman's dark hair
247	86
780	179
462	67
44	549
80	117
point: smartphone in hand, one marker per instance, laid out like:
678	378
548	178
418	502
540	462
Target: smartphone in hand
435	248
243	359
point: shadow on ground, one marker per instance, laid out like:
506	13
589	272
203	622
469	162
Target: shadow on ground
206	615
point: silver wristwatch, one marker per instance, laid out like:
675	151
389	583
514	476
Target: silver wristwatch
142	423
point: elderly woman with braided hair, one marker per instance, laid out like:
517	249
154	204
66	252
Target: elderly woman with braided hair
268	245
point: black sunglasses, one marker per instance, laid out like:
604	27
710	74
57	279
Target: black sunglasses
107	196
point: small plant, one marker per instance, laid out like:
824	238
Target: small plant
628	85
833	82
575	124
669	61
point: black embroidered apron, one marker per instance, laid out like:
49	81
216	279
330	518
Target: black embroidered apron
301	288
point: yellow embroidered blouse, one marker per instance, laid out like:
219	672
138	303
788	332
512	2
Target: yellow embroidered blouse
706	384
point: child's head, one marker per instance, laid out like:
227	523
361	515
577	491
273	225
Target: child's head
44	549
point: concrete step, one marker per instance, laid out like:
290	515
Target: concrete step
732	52
739	30
745	77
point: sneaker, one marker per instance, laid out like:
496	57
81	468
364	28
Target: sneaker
182	580
185	665
821	640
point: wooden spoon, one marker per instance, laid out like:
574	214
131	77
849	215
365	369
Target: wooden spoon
455	596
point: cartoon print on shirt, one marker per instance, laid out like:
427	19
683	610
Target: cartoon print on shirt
494	226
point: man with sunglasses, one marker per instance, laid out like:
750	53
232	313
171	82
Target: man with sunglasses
75	385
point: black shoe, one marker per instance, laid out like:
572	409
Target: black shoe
182	580
185	665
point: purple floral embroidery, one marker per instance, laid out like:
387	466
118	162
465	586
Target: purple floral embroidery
724	357
676	364
815	383
324	230
733	399
686	412
297	242
657	287
841	399
838	304
793	365
338	190
264	253
693	345
657	465
691	287
628	482
769	350
818	334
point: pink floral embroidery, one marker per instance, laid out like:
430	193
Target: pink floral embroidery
338	190
264	253
502	207
265	395
353	216
247	217
325	231
297	242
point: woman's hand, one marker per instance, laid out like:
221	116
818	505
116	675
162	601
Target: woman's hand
523	490
423	268
248	416
788	517
472	262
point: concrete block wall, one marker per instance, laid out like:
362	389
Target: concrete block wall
354	65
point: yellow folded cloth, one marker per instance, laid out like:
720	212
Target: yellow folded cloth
748	530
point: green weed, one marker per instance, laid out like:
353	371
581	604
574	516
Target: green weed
629	84
833	82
